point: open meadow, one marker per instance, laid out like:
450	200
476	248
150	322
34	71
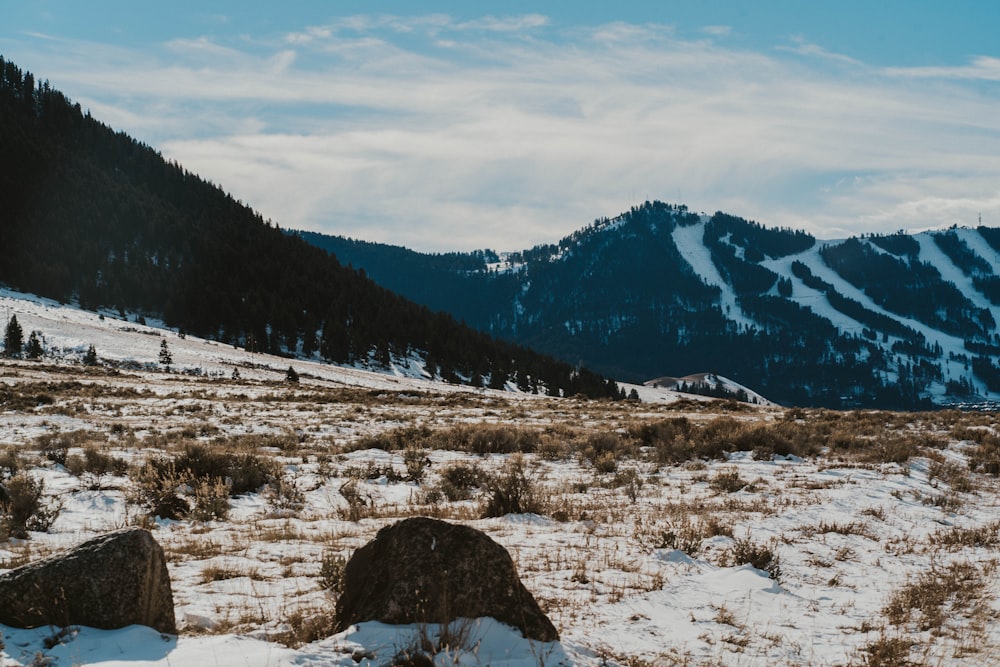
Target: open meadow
669	530
676	532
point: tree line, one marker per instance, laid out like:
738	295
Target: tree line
94	215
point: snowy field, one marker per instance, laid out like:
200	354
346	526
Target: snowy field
672	531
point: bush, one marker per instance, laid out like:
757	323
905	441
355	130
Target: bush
727	481
285	496
358	504
245	472
512	491
331	572
472	438
761	556
156	487
10	462
25	510
95	464
459	480
416	463
211	500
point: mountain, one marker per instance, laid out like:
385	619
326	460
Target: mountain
893	321
92	215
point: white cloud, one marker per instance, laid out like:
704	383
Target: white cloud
717	30
505	24
805	48
516	132
984	68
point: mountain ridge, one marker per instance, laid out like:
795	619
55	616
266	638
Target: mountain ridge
95	216
898	320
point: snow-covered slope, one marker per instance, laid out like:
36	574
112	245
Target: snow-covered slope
637	562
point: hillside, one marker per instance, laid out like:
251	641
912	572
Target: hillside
894	321
93	216
672	531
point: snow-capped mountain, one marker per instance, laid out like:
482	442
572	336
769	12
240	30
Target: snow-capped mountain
892	321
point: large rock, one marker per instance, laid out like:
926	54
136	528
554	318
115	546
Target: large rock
430	571
108	582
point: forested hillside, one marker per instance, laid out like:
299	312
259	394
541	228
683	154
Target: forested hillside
91	214
889	321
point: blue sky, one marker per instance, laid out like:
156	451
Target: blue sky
460	125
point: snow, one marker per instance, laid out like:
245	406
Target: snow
667	385
932	254
811	299
68	331
689	241
617	592
978	245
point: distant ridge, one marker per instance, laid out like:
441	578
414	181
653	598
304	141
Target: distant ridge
709	384
891	321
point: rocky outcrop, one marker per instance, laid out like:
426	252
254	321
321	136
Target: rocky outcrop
429	571
108	582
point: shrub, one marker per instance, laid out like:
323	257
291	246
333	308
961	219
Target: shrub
10	462
94	464
331	572
156	487
888	652
416	463
985	456
25	510
604	449
211	500
357	503
284	495
761	556
727	481
512	491
472	438
244	471
307	626
494	439
459	480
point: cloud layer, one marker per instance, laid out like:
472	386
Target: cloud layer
505	132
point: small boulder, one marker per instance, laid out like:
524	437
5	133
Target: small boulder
108	582
429	571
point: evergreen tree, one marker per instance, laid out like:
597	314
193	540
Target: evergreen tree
13	339
165	357
90	358
34	349
291	375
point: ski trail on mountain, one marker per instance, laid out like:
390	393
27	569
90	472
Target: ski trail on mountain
820	269
931	253
689	241
978	245
810	298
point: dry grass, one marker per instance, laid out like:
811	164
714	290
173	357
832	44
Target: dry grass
623	480
938	596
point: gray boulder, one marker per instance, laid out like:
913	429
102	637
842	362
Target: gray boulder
429	571
108	582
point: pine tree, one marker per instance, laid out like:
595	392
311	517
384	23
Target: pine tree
13	339
165	357
34	349
90	358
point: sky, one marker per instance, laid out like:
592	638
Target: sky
456	125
